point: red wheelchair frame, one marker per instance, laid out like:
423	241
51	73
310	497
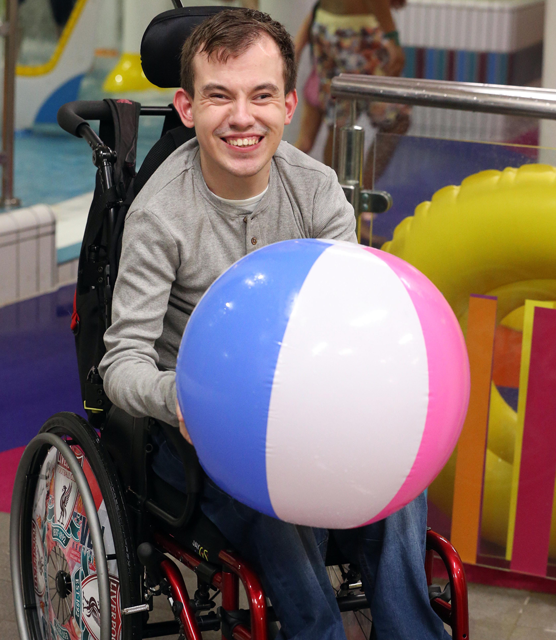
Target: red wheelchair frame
135	518
454	614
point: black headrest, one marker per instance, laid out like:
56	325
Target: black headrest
163	41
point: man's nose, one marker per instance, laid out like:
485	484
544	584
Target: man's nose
241	115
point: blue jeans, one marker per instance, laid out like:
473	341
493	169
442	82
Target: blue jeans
391	556
288	560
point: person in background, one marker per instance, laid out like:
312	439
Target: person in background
351	36
312	114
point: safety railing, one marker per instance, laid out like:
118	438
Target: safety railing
8	30
464	96
351	90
473	207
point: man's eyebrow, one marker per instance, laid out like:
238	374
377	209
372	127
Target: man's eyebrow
266	86
213	86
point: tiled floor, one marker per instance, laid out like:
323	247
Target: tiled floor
506	614
495	613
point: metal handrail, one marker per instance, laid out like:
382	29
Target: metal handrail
9	31
530	102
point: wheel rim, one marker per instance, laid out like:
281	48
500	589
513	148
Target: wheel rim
63	561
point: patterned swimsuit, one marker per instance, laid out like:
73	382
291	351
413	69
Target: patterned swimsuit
350	44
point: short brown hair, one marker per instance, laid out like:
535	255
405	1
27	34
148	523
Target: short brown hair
229	33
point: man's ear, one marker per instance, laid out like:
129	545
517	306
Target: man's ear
184	107
291	104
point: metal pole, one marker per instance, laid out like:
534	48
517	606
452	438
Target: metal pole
8	116
548	129
532	102
351	145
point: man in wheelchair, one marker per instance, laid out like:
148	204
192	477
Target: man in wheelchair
235	188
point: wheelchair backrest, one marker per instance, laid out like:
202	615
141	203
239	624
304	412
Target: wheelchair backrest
100	252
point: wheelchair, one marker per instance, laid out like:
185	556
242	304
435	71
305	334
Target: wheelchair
95	535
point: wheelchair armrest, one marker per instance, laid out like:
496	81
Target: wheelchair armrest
193	479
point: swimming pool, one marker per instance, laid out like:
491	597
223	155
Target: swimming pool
51	166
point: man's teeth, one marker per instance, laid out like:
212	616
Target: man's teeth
243	142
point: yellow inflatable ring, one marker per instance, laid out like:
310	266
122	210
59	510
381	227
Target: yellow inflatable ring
493	235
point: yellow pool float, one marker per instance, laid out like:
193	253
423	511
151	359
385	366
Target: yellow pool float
493	235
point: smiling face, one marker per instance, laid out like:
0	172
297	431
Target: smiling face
239	111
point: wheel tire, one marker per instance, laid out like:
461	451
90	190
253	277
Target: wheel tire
58	572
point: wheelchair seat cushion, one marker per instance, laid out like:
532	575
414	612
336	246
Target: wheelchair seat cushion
163	41
200	536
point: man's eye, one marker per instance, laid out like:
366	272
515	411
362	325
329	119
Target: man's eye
218	96
263	96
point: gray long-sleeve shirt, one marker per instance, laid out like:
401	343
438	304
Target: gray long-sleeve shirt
178	239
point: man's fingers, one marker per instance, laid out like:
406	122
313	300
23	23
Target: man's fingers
184	432
182	427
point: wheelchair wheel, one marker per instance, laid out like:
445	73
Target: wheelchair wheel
57	565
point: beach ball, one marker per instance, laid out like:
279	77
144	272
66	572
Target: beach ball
323	383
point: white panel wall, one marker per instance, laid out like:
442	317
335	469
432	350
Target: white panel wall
109	26
495	26
136	16
471	25
27	253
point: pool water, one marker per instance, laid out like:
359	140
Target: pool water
51	166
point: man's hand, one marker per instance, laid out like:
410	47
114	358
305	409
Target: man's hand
397	58
183	429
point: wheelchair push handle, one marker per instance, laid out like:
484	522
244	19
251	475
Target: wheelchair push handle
73	116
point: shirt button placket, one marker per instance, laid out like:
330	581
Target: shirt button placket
248	238
253	235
